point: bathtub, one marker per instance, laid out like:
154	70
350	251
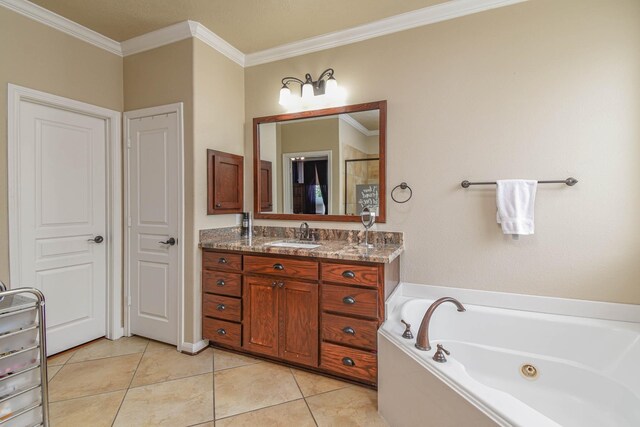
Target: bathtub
587	370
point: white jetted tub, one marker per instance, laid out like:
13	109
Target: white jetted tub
510	366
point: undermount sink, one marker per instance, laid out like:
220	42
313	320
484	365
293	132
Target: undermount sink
297	245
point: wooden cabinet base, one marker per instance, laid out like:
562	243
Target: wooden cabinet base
313	314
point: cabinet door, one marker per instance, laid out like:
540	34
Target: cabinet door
224	182
266	188
260	317
299	322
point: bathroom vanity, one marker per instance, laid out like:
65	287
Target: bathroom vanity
317	307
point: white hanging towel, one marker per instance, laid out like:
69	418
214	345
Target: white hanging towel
515	200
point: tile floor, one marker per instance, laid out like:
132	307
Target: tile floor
138	382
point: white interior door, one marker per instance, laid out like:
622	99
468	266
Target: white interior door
61	199
153	255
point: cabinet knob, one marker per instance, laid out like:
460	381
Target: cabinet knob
348	274
273	284
278	266
349	330
281	285
221	307
218	205
221	331
347	361
220	282
222	260
349	300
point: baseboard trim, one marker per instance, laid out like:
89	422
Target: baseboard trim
194	348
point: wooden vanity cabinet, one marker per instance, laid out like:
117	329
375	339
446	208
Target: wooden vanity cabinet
281	314
322	314
221	298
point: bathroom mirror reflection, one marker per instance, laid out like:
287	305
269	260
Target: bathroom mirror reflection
321	165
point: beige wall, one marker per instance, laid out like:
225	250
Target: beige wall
544	89
39	57
218	87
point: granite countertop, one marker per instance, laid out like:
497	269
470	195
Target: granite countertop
342	249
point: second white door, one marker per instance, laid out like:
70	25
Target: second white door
153	200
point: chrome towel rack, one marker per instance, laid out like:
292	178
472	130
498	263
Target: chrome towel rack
569	181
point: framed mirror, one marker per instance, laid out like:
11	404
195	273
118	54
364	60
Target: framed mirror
321	165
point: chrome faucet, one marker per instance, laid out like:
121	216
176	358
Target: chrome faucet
304	231
422	341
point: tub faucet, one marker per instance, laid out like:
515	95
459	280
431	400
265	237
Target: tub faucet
422	342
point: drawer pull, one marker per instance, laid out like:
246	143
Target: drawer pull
221	331
349	330
281	285
220	282
348	274
347	361
349	300
273	284
221	307
222	260
278	267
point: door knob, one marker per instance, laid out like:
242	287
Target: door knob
97	239
171	241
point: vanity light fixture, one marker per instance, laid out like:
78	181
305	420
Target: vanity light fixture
325	90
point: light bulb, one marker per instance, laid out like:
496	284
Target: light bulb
285	95
307	92
331	88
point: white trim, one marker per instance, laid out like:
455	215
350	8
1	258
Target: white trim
137	114
287	185
405	21
210	38
186	29
357	125
53	20
157	38
180	31
534	303
17	94
194	348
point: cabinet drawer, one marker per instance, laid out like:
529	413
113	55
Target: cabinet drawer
350	331
363	275
222	307
223	283
348	300
293	268
348	361
222	261
222	331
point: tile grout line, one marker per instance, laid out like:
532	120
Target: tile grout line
303	397
129	386
258	409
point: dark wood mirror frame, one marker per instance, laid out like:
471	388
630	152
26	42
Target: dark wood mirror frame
382	207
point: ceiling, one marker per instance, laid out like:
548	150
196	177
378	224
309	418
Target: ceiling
248	25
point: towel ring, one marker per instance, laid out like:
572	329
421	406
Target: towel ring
402	186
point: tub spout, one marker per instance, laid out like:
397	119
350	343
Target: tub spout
422	341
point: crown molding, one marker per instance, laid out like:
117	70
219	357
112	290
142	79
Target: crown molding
357	125
213	40
405	21
183	30
163	36
63	24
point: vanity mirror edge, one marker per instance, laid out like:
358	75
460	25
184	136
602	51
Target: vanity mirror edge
377	105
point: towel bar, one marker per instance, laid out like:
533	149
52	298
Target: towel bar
569	181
